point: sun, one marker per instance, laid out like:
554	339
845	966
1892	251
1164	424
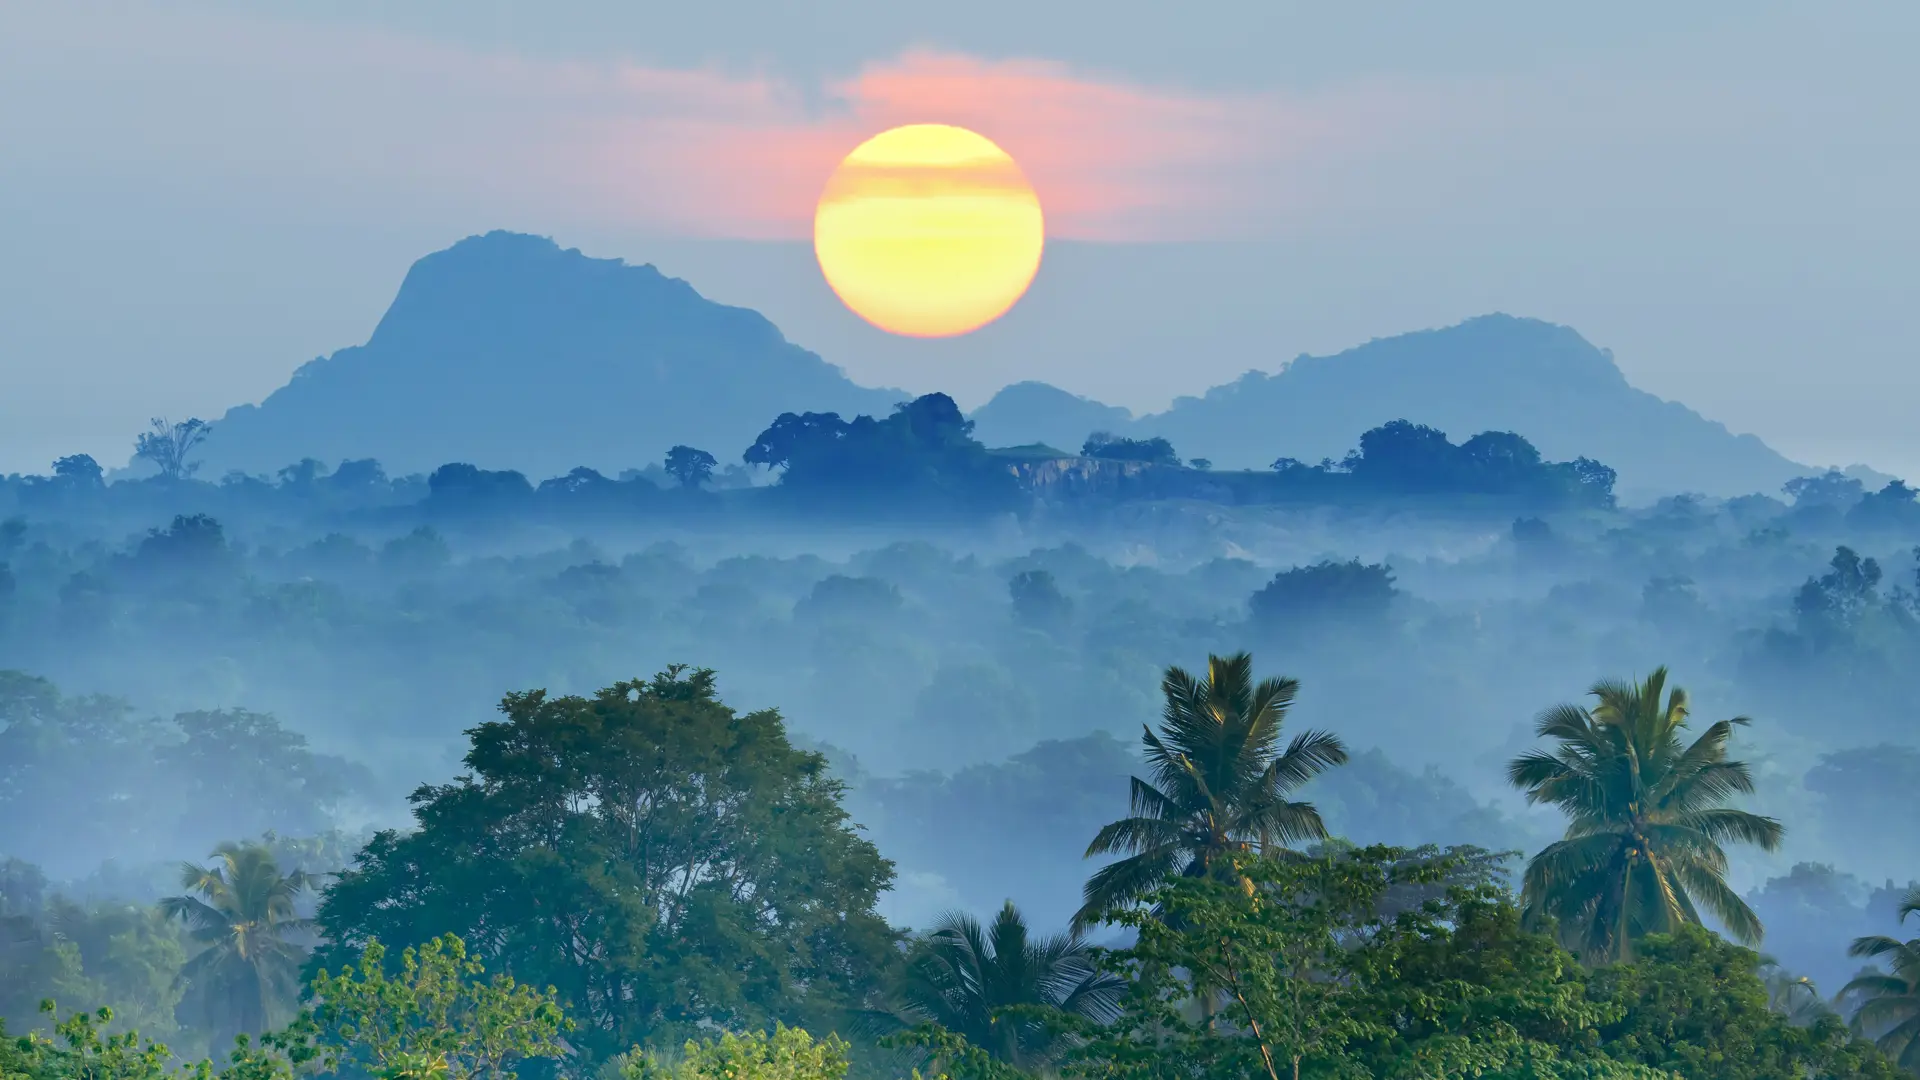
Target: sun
929	230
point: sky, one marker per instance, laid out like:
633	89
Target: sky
198	196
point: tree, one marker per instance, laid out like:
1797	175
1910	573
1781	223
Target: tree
1305	599
1038	601
965	978
785	1054
439	1017
1646	818
1828	608
1693	1005
1306	966
170	446
922	458
79	471
1220	784
240	912
689	466
1888	1002
661	860
1110	447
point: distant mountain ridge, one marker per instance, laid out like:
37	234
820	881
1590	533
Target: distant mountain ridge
1491	373
506	351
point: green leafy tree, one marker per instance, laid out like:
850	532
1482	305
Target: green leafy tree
439	1016
997	986
1887	1002
1304	967
82	1049
1220	787
240	913
1695	1005
661	860
1647	815
785	1054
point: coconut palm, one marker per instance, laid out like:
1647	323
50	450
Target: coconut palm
1889	1001
1220	785
963	976
240	912
1792	997
1646	818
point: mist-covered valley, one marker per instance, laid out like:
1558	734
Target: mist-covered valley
915	672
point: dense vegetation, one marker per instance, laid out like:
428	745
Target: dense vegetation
647	866
965	646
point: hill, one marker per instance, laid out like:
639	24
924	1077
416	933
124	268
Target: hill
1034	412
508	352
1492	373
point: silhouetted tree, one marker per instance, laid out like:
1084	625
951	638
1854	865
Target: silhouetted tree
1110	447
79	471
689	466
1038	601
169	446
1307	598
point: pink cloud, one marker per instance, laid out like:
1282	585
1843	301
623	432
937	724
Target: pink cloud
330	114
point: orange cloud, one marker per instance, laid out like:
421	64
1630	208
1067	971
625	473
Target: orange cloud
330	115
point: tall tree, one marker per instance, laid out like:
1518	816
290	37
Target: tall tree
1221	784
170	446
965	976
1647	815
1888	1002
662	861
240	912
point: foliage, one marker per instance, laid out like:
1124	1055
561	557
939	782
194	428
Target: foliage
438	1017
785	1054
1695	1005
131	787
997	986
240	913
689	466
1308	600
1220	784
1887	1001
1646	818
658	858
1302	967
1110	447
1038	601
170	446
922	457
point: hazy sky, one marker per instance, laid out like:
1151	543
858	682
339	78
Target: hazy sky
197	197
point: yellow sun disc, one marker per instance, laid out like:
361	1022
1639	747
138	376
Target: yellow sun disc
928	230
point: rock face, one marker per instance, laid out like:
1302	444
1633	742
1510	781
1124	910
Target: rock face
1493	373
508	352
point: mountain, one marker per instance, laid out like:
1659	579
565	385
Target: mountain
1030	412
1492	373
506	351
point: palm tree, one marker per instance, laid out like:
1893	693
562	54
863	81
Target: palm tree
241	913
1220	785
963	975
1647	816
1793	997
1889	1002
